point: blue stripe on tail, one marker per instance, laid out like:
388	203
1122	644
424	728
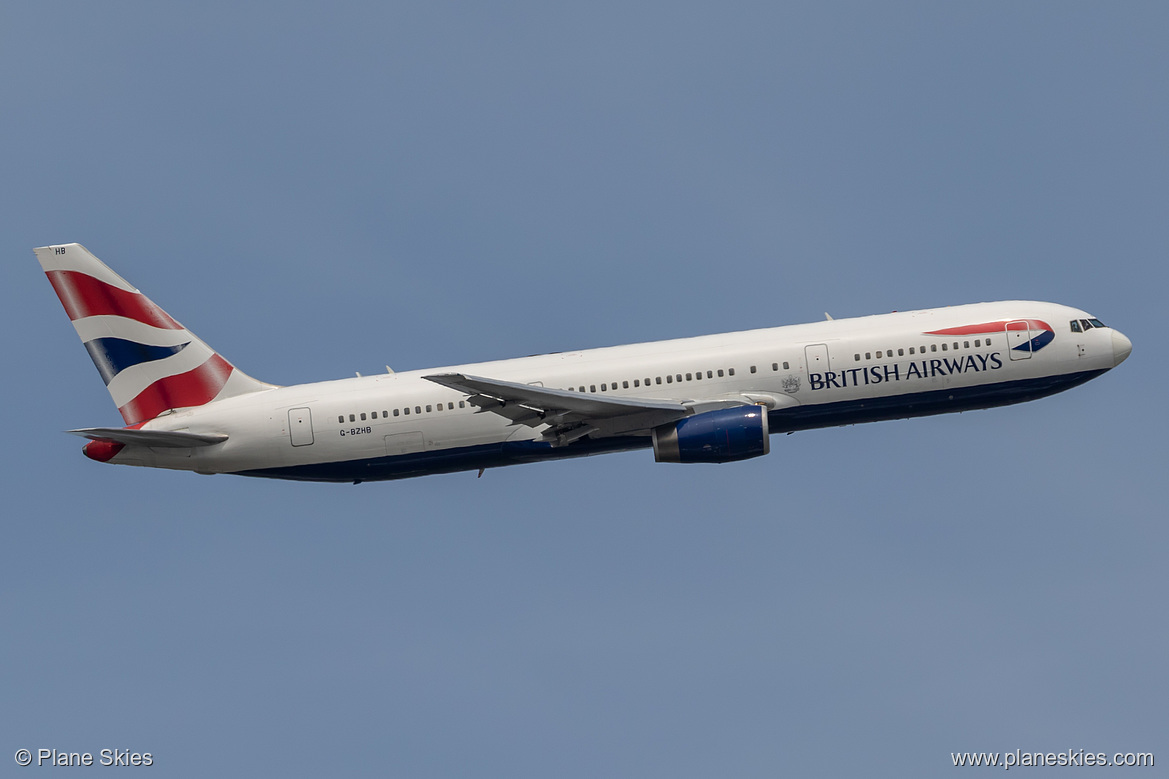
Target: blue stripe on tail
114	355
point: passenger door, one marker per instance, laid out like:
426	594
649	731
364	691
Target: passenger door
1019	340
300	426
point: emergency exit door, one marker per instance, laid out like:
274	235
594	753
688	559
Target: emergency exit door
816	358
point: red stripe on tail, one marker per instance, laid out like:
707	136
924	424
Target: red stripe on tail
84	296
194	388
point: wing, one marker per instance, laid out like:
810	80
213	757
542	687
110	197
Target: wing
162	438
569	415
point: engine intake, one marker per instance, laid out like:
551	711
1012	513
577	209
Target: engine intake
721	436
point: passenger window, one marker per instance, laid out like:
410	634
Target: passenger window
592	388
678	377
868	355
625	384
658	380
855	358
450	406
977	342
352	418
911	350
785	366
406	411
965	344
698	376
669	380
395	412
428	409
438	407
955	346
1076	326
752	369
710	374
943	347
463	403
637	382
341	419
900	352
988	342
647	381
730	371
604	387
933	347
418	409
720	373
689	377
879	353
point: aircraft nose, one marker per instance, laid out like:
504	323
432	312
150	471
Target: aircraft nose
1121	347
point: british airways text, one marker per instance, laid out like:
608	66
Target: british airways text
921	369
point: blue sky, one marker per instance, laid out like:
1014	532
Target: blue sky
322	189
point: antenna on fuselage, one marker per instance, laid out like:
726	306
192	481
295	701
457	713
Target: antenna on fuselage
828	316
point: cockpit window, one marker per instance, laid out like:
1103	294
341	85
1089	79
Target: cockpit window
1096	323
1087	325
1076	326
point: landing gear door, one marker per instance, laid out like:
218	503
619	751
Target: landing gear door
1019	340
300	426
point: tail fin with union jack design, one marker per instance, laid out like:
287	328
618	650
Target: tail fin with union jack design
149	362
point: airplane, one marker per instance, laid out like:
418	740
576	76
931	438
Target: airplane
706	399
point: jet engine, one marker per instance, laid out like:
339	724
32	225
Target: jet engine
721	436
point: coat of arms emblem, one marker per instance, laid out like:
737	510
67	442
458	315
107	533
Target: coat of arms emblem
791	384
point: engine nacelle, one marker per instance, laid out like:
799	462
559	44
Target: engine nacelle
721	436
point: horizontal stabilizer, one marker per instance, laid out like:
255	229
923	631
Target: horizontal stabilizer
162	438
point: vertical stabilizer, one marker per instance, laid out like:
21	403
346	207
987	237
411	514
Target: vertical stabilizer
149	362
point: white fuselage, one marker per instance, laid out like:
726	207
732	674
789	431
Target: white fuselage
811	375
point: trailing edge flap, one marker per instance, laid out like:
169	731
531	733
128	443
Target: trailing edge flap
161	438
559	406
